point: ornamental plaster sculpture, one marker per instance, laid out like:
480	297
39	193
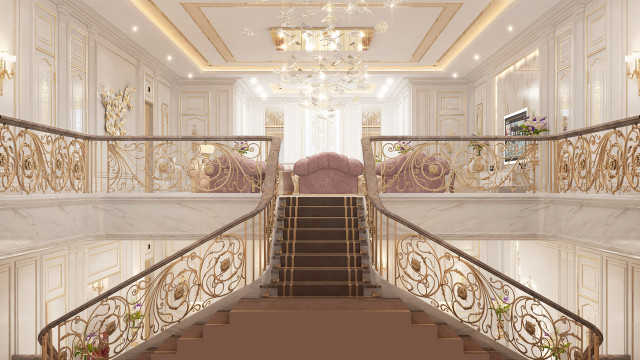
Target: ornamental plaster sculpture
116	107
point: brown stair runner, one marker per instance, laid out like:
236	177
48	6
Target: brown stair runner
320	249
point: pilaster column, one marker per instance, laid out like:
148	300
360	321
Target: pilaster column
139	94
93	123
64	118
578	74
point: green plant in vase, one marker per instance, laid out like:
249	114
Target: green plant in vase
500	307
88	348
478	145
135	316
555	343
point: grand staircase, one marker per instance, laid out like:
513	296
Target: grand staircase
320	249
319	301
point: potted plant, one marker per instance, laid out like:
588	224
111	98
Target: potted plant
555	344
477	162
133	317
500	307
241	147
403	147
534	126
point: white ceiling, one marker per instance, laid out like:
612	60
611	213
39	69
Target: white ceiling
390	52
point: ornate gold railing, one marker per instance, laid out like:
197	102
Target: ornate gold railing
42	159
459	284
599	159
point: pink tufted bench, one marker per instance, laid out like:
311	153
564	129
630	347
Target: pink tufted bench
415	173
328	173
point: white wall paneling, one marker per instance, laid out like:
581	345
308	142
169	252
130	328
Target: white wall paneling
563	86
615	316
194	113
46	26
6	312
78	60
8	38
635	310
451	109
596	57
27	306
480	109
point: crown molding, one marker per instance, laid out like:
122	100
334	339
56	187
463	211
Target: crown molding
530	36
108	31
207	82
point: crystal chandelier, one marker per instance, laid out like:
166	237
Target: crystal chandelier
337	68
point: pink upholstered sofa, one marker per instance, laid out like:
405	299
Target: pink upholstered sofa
415	173
228	174
328	173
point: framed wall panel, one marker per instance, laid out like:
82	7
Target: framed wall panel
596	29
451	106
596	88
102	261
55	286
194	113
420	120
78	48
5	312
564	99
26	321
45	24
563	48
616	311
588	286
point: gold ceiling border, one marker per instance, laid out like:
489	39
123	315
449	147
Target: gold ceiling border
484	19
481	22
149	9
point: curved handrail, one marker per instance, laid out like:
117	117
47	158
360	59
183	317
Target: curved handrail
269	190
374	198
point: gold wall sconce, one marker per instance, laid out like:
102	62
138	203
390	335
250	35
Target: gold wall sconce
100	285
633	67
6	59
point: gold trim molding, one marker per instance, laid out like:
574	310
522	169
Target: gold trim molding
449	10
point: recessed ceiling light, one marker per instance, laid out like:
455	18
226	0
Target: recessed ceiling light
380	95
260	88
263	96
389	81
455	75
322	75
254	80
169	57
510	28
477	57
134	28
190	75
384	89
366	76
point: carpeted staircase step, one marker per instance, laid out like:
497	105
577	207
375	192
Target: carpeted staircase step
194	332
320	260
146	354
320	246
320	234
320	211
320	222
321	274
219	318
169	346
320	201
320	288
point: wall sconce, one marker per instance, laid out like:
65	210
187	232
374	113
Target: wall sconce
5	59
633	60
99	285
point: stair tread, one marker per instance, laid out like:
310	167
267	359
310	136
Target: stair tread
321	304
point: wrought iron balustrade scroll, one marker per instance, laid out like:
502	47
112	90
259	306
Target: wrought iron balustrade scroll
179	285
599	159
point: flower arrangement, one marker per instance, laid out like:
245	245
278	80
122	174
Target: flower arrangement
87	350
403	147
500	306
534	126
136	315
477	145
555	344
241	147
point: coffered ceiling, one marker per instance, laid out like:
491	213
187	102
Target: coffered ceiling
422	36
